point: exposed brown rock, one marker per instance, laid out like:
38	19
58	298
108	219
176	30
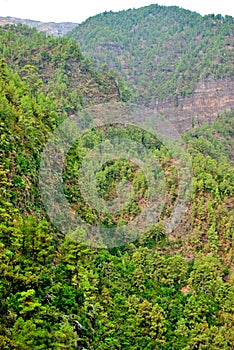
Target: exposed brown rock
56	29
210	98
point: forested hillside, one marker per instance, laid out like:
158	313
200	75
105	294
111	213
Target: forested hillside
55	66
163	291
161	52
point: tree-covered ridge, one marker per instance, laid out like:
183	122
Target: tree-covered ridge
56	67
26	120
160	51
160	292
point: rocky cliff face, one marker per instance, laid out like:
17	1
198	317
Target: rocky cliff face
56	29
209	99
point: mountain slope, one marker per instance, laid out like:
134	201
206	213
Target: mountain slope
161	52
44	80
55	29
56	67
160	292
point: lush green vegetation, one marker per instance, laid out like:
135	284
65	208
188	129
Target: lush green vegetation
161	52
162	291
56	67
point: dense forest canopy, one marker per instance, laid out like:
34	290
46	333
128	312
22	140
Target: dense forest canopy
160	51
163	291
57	67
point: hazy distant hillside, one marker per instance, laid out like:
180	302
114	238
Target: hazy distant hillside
56	29
162	52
